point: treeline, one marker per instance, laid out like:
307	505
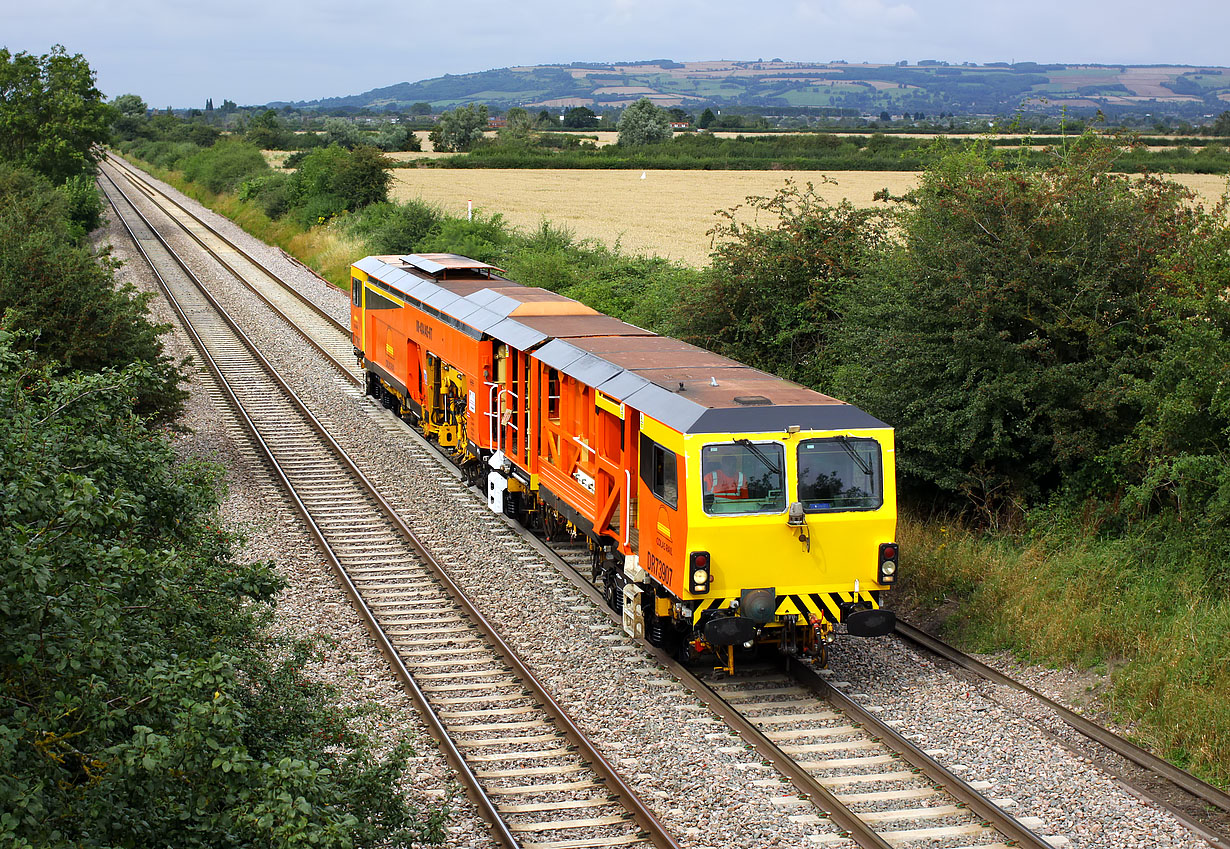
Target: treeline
144	699
807	152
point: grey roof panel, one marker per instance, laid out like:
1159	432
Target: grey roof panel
592	370
461	308
558	354
502	304
371	265
483	319
441	299
670	408
623	384
423	264
516	334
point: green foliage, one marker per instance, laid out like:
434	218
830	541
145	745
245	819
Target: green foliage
706	120
130	116
644	123
517	125
460	129
331	180
225	166
342	133
142	702
397	228
66	298
770	297
83	203
266	132
580	118
52	118
1004	335
482	238
398	137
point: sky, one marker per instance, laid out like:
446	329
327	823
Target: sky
180	52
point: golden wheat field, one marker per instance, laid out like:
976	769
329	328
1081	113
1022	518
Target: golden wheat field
665	213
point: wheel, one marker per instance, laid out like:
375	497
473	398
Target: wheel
613	589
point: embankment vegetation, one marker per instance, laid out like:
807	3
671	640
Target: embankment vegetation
1051	339
144	701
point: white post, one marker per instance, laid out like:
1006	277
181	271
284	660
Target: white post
469	210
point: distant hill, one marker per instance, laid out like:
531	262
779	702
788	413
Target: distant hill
929	87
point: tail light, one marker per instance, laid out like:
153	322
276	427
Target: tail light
888	563
699	572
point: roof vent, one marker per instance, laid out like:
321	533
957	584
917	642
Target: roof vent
752	400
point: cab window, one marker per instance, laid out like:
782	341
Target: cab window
356	291
840	474
660	471
743	477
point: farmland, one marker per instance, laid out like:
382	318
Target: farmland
666	214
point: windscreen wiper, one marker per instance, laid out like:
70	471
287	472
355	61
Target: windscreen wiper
769	464
860	461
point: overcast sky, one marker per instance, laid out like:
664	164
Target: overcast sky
180	52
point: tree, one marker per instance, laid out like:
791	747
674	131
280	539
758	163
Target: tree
681	116
65	296
460	129
517	125
266	132
331	180
1221	126
52	118
580	117
643	123
545	121
343	133
419	109
706	120
130	116
1004	337
771	294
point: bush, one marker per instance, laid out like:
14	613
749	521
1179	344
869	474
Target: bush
770	299
65	298
397	228
484	238
83	203
225	166
142	700
1002	338
271	192
332	180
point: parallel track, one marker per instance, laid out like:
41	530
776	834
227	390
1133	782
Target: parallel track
812	786
488	710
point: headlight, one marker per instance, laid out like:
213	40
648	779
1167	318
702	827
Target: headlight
888	568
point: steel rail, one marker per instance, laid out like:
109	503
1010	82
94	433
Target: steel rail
131	174
936	772
644	817
435	726
346	371
1093	731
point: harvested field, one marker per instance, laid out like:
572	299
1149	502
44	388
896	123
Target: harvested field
666	214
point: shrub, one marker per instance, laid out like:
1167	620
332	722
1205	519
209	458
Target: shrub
397	228
224	167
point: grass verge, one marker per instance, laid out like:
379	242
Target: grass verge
1054	597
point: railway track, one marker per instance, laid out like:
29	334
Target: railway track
806	712
535	777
